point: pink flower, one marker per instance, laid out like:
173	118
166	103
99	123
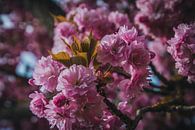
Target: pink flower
119	19
46	73
182	48
136	53
77	79
124	48
128	35
111	50
60	112
60	100
63	31
137	56
37	105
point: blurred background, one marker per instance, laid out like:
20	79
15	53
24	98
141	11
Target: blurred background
25	36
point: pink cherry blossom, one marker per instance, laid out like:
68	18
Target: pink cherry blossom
119	19
111	50
138	56
128	35
46	73
38	103
60	112
77	79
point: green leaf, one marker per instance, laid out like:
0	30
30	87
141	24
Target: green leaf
92	49
96	64
83	55
84	52
78	60
85	44
58	18
76	45
62	57
69	46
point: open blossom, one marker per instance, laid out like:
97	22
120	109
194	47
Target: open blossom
60	112
124	49
113	47
119	19
182	48
46	73
77	78
128	35
38	103
137	59
63	31
138	56
111	50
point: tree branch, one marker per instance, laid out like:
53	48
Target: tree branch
120	71
169	106
112	107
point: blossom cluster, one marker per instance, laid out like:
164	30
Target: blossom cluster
75	100
127	50
68	97
182	48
